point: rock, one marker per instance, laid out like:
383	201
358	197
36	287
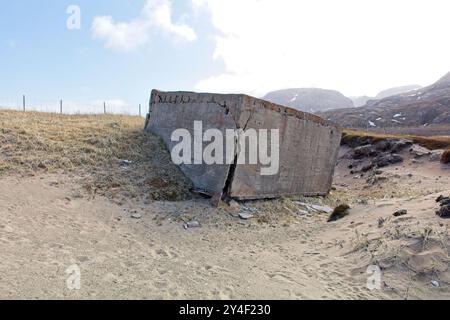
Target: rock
364	152
367	168
419	152
383	145
192	224
245	215
400	213
400	145
435	283
386	160
443	201
321	208
302	212
381	222
339	212
136	216
445	157
435	156
444	212
125	163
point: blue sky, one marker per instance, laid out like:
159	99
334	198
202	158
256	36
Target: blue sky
41	58
127	47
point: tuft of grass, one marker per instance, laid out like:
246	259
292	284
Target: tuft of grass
352	137
94	147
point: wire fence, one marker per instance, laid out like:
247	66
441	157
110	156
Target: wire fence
26	103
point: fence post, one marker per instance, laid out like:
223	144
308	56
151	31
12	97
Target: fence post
61	106
140	114
23	102
104	107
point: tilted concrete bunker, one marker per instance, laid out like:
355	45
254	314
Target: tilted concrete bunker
308	145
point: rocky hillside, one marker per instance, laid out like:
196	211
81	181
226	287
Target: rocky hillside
363	100
395	91
423	107
310	99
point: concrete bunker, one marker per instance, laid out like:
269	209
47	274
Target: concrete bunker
308	144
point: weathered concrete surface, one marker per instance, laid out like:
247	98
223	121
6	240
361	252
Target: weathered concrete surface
309	145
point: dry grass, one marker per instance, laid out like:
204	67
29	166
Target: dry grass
431	142
94	147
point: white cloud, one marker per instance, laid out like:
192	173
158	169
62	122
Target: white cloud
355	46
128	36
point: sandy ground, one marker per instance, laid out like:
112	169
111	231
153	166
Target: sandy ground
47	224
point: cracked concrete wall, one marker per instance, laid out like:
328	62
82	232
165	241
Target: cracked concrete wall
309	145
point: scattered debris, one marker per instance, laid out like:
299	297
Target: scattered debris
245	216
321	208
315	207
419	152
435	283
136	216
192	224
125	163
400	213
340	212
386	160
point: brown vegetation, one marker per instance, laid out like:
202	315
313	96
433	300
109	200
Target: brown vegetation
431	143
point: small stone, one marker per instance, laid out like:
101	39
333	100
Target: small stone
136	216
245	215
435	283
192	224
400	213
125	163
322	208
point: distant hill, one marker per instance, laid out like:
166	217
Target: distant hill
429	105
396	91
363	100
310	99
360	101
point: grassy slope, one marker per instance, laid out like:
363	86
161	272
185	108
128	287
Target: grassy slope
93	147
431	142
